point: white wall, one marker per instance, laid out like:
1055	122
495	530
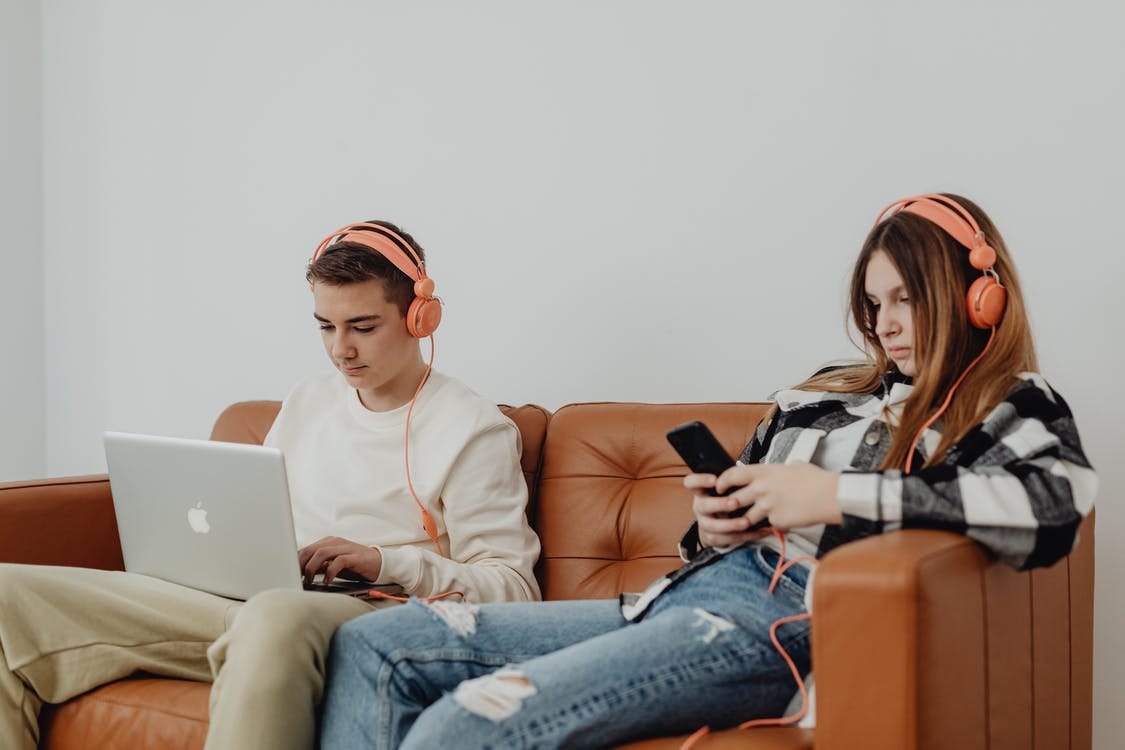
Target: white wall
23	447
630	200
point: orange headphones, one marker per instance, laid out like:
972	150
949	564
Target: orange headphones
986	298
424	314
422	319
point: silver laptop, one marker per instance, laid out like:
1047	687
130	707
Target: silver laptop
208	515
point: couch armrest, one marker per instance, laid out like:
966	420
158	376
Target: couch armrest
921	640
67	521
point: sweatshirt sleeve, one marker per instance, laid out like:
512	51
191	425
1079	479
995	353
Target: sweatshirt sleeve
1018	483
491	548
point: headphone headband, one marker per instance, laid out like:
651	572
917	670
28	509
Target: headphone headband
383	241
952	217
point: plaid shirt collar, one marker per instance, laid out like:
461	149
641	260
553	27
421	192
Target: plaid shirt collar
893	389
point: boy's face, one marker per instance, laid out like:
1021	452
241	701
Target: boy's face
365	336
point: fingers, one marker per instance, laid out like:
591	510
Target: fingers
738	476
760	504
315	557
730	519
315	564
331	561
304	558
335	557
716	525
699	483
731	538
336	566
303	555
711	505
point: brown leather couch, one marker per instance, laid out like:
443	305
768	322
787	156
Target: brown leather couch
920	639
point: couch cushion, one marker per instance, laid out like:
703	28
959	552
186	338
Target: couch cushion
141	712
761	738
150	713
611	489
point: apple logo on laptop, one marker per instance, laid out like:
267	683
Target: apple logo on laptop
197	519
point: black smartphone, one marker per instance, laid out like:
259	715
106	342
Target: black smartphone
700	449
704	454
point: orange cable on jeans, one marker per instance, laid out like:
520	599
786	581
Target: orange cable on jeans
782	566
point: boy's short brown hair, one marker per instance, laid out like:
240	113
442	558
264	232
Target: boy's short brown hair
350	263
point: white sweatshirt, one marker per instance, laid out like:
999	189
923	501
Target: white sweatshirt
347	478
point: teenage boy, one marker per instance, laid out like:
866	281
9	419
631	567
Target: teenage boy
450	519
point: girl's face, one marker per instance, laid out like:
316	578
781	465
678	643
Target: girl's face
894	322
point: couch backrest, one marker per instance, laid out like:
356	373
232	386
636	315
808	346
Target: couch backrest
245	422
611	501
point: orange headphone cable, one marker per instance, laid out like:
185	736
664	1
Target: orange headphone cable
373	594
428	523
948	399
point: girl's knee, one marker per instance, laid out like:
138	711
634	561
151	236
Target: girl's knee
415	623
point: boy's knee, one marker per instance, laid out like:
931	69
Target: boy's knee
279	629
274	618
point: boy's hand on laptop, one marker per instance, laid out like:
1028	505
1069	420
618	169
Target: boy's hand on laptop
336	557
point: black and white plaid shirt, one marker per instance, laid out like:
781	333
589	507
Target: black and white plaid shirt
1018	482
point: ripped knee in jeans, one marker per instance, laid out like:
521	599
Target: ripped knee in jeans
459	616
711	625
495	696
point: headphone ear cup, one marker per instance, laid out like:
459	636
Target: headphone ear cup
986	301
423	317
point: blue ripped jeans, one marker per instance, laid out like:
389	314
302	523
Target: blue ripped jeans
569	674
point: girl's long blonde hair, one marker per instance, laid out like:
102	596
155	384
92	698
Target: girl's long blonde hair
936	272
